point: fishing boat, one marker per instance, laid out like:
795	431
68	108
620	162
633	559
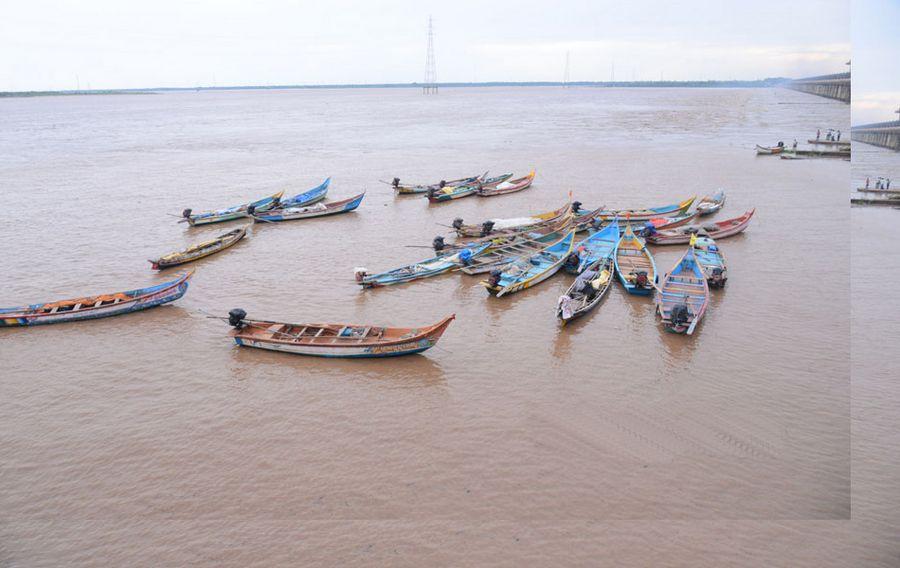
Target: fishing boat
506	186
231	213
334	339
308	197
94	307
601	244
711	260
408	189
683	295
716	230
501	238
711	203
530	270
587	291
524	244
794	154
769	150
201	250
449	193
310	211
510	225
639	215
419	270
634	264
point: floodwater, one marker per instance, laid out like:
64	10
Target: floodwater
150	439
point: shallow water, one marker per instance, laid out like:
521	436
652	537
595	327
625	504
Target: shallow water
119	435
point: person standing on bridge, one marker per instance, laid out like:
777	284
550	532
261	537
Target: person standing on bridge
818	134
867	182
839	136
795	145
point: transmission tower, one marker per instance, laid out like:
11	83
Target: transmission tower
566	74
430	85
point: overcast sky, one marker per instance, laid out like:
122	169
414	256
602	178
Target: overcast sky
876	51
183	43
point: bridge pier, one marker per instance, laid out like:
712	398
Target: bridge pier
835	87
884	134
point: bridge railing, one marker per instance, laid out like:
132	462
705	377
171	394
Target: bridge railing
889	124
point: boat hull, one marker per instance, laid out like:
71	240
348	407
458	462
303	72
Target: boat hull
335	208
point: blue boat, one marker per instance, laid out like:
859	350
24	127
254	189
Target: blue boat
711	260
419	270
634	264
310	211
601	244
530	270
683	295
307	197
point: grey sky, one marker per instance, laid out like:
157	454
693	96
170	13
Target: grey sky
119	44
876	46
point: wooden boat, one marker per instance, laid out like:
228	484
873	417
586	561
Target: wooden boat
308	212
601	244
93	307
711	260
334	339
683	295
711	203
500	238
795	154
201	250
586	293
510	225
231	213
638	215
634	264
409	189
768	150
716	230
884	191
524	244
506	186
308	197
419	270
829	142
452	193
530	270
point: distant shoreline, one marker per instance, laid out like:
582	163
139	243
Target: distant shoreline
761	83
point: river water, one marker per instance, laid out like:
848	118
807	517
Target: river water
152	439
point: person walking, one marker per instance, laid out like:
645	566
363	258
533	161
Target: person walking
839	136
867	182
818	133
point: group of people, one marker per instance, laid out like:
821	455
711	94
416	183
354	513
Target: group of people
880	183
830	136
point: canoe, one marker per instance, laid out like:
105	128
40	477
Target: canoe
599	245
524	244
500	238
317	210
419	270
637	215
94	307
334	339
308	197
506	186
764	150
201	250
530	270
231	213
586	293
634	264
711	203
451	193
514	224
716	230
408	189
683	295
711	260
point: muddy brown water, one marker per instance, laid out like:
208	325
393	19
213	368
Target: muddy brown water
151	438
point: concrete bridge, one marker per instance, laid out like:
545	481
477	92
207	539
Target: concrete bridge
835	86
884	134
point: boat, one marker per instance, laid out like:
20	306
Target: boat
794	154
829	142
408	189
716	230
334	339
634	264
638	215
308	197
711	260
875	190
601	244
201	250
586	293
768	150
419	270
310	211
683	295
523	244
711	203
506	186
530	270
231	213
509	225
449	193
501	238
94	307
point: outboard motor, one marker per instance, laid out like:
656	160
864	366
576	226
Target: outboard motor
236	318
360	273
494	278
396	183
680	314
457	223
486	228
576	206
251	209
780	144
690	230
430	192
711	228
465	256
187	213
596	222
438	243
572	261
717	279
641	280
443	184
